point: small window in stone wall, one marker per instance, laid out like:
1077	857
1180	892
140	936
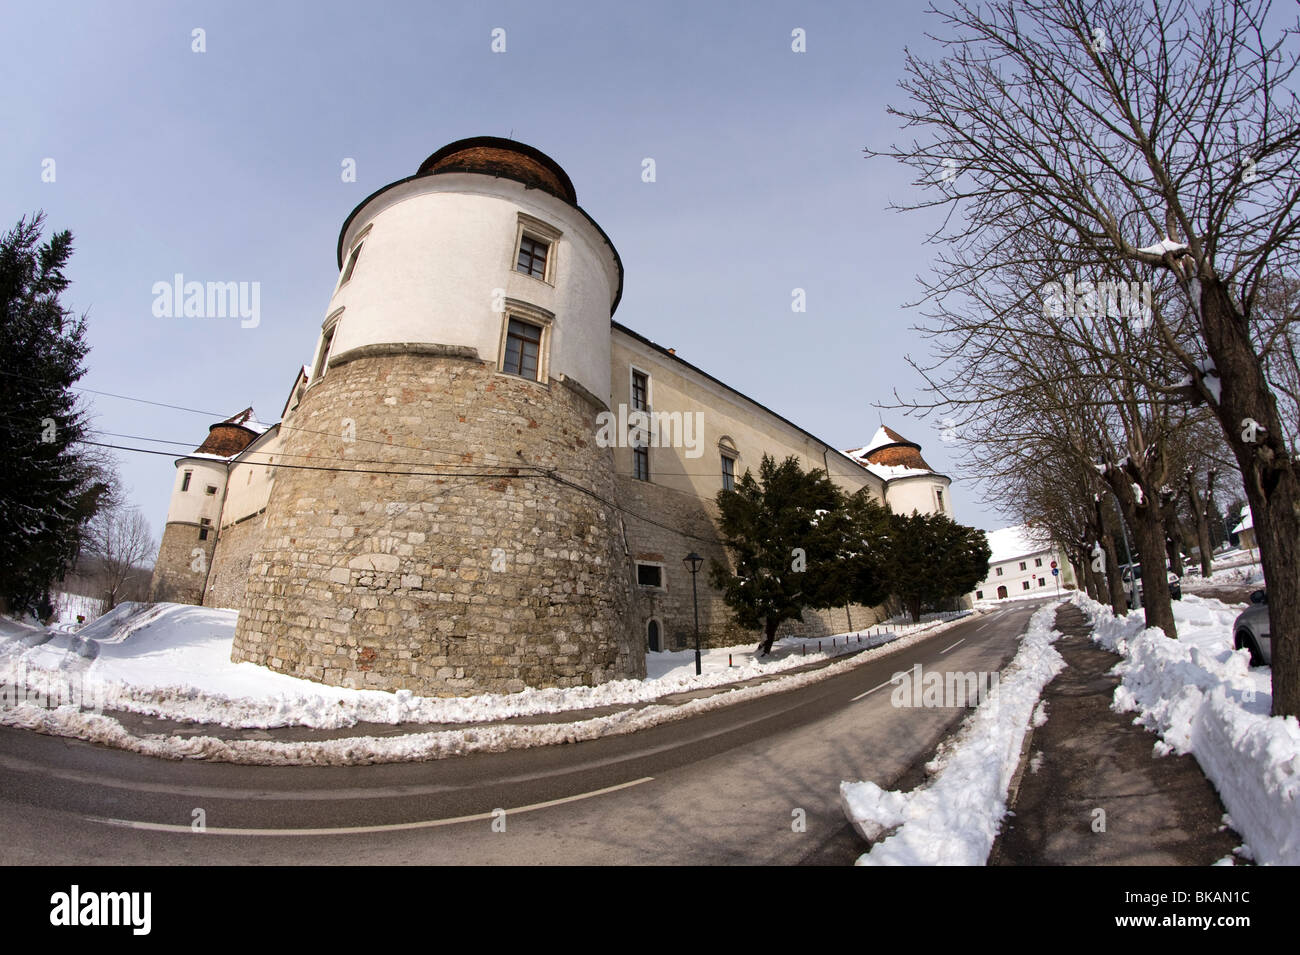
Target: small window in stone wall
650	575
204	526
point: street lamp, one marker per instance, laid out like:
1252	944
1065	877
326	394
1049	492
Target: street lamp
693	562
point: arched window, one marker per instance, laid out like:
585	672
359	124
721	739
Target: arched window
653	639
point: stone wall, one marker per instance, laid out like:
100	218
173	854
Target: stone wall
228	577
464	572
179	574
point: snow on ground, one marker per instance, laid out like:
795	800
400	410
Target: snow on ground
955	817
173	661
1202	697
93	727
67	607
1242	572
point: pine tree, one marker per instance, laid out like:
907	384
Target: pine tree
786	533
48	491
932	558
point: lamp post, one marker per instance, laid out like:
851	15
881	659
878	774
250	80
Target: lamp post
693	561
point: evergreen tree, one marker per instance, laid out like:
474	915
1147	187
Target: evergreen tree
786	533
866	550
48	490
932	558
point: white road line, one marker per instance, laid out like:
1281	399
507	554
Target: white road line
870	691
978	629
352	830
946	649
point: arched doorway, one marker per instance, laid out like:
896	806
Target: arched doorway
1002	592
652	636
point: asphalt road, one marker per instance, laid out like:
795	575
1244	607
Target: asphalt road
725	787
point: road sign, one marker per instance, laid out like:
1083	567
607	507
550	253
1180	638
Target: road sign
1053	564
1055	572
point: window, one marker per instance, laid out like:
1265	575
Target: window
979	595
185	481
641	463
728	473
523	348
351	265
998	571
326	345
210	490
1022	566
204	526
535	245
650	575
1038	562
532	256
640	391
1025	584
1042	581
938	493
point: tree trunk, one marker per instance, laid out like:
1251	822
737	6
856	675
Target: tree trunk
1202	521
769	627
914	608
1143	517
1271	484
1114	581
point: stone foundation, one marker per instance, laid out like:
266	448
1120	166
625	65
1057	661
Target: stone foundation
484	577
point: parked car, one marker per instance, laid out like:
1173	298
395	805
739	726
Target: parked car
1135	570
1250	631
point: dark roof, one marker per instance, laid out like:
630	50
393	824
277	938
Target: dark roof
229	437
504	159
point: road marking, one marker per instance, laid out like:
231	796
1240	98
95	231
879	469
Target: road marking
870	691
351	830
979	628
946	649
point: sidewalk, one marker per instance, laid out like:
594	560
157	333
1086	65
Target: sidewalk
1085	758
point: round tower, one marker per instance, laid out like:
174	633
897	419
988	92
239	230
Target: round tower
442	523
180	573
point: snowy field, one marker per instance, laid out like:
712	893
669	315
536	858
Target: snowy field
173	661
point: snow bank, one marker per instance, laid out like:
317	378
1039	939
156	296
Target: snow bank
72	722
954	819
173	661
1201	697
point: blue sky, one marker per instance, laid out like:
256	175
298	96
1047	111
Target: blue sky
225	166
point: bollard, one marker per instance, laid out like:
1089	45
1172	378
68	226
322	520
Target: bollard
728	661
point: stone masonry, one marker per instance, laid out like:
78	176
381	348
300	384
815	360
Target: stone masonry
181	568
462	569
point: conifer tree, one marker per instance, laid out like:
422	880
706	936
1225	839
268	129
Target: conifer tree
48	489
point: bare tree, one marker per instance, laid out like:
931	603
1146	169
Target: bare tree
121	544
1160	141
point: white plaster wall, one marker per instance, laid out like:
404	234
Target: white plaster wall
1013	578
673	387
251	478
437	248
189	506
906	495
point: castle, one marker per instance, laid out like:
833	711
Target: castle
482	481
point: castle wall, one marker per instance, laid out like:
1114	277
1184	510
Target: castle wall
181	568
441	584
231	559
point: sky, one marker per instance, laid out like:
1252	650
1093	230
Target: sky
226	165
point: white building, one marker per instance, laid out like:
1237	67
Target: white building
1021	565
